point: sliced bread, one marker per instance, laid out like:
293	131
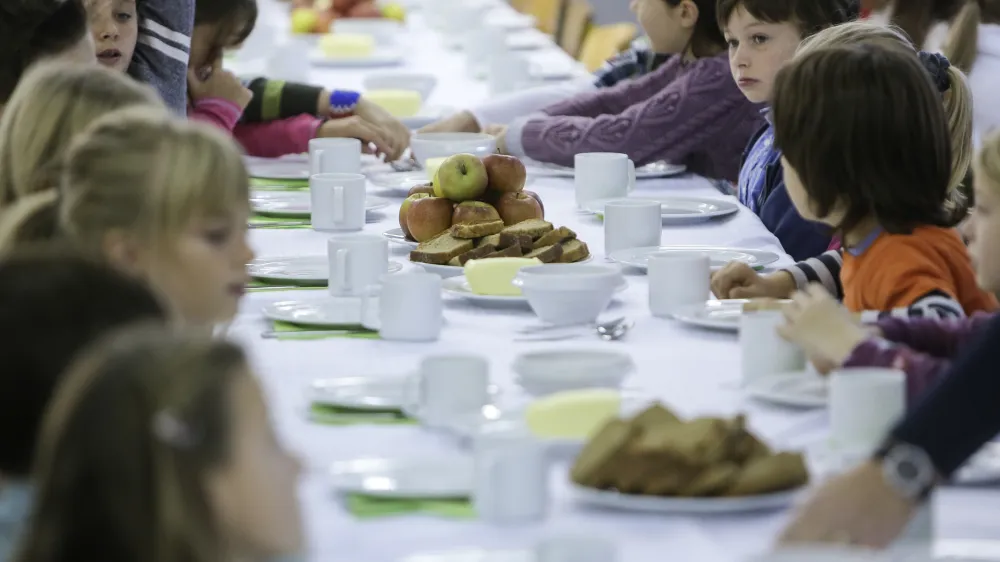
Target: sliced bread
470	231
507	240
548	254
491	240
531	227
574	250
440	249
508	252
556	236
473	254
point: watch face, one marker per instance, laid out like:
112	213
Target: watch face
909	470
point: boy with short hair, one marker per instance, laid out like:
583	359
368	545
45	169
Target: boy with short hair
763	35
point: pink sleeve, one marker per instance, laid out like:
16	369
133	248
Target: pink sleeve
272	139
220	112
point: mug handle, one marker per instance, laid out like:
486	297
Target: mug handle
631	175
315	162
338	204
341	262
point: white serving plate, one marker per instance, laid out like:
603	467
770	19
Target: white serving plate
676	210
718	256
298	270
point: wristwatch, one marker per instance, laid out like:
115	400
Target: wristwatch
907	468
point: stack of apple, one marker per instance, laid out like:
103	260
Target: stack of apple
469	189
315	16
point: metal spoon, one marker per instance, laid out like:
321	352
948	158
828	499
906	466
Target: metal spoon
603	325
616	333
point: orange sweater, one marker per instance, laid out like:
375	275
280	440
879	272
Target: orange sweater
897	270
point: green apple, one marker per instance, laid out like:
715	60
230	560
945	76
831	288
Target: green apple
462	177
304	20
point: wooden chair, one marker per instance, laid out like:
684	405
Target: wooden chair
605	41
546	12
576	21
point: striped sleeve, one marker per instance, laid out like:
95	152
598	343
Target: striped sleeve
824	269
935	305
163	49
623	66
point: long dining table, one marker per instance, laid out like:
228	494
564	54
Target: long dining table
692	371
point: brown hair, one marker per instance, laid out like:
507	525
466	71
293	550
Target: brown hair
864	156
915	18
126	446
235	20
33	29
809	15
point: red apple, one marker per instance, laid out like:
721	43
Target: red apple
428	217
538	199
506	173
518	207
404	210
364	10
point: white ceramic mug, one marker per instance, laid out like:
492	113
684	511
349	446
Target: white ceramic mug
676	280
602	175
334	156
511	474
448	387
289	61
508	72
356	261
576	548
409	307
632	223
337	202
864	404
763	352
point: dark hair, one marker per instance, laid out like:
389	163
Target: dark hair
839	121
32	29
810	16
235	18
53	303
706	32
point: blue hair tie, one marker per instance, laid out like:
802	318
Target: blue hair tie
937	66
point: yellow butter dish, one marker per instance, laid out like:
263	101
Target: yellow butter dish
347	45
574	414
399	103
493	276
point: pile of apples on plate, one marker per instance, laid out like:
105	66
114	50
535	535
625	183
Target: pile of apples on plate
316	16
467	189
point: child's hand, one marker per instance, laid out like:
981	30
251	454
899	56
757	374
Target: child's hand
738	280
357	128
823	328
461	122
397	135
217	82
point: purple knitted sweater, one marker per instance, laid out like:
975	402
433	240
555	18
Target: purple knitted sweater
923	348
689	113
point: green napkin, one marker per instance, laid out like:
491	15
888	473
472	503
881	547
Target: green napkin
367	507
332	415
268	182
290	331
258	285
279	222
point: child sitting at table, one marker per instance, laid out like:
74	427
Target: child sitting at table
921	347
688	111
880	182
35	30
163	199
55	302
160	446
52	104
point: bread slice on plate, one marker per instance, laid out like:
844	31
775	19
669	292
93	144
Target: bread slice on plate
473	254
440	249
470	231
556	236
508	252
491	240
573	251
508	239
548	254
531	227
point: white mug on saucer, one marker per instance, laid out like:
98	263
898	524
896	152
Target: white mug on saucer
632	223
337	202
409	307
602	175
763	352
334	156
676	280
576	548
511	474
864	404
356	261
448	387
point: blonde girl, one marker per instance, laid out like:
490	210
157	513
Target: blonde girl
163	199
49	107
159	447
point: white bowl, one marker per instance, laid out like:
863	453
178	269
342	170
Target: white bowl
442	145
423	83
548	372
568	294
384	30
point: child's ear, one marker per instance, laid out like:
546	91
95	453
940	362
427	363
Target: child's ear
689	13
121	251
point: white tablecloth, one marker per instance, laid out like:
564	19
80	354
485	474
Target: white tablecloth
689	370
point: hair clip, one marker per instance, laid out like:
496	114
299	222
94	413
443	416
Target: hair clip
937	65
172	431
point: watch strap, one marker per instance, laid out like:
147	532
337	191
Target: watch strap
343	102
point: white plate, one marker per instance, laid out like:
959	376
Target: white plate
427	115
983	468
438	477
718	256
800	389
677	210
278	169
383	56
295	204
298	270
690	506
399	182
396	236
447	271
361	393
459	287
721	315
649	171
330	312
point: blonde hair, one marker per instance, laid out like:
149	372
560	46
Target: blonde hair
957	100
51	105
138	423
137	170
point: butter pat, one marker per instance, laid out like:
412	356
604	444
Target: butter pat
576	414
432	166
347	45
493	276
399	103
